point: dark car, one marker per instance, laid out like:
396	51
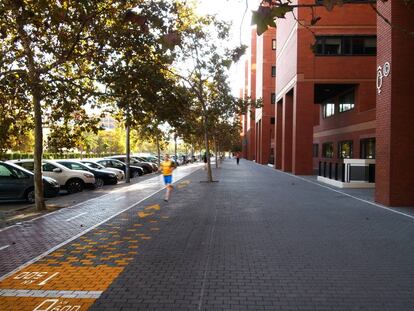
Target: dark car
17	183
101	177
135	171
146	167
143	160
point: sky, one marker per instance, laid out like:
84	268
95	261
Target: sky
232	11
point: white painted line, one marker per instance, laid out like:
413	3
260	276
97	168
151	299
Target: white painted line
4	247
92	199
346	194
86	231
49	293
74	217
120	198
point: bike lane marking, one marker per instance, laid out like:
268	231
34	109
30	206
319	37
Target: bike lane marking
74	217
73	275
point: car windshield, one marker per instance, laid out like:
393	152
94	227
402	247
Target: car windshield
74	166
10	171
94	165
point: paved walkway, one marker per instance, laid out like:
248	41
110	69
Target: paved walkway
256	240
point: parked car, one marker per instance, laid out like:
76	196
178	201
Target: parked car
146	167
135	171
102	177
143	160
92	164
17	183
70	180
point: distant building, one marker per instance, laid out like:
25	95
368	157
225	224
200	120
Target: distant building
108	122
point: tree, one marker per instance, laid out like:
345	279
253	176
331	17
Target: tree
207	61
51	48
15	115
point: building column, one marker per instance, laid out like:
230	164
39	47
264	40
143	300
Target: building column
303	104
278	135
395	107
287	132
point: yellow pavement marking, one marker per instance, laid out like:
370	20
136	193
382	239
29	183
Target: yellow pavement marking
183	184
143	214
41	304
155	207
64	277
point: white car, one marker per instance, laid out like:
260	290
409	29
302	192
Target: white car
71	180
119	173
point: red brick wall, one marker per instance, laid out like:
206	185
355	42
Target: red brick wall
395	109
278	134
295	58
265	85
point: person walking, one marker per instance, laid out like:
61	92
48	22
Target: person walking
167	167
238	158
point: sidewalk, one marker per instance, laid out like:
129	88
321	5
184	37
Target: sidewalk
256	240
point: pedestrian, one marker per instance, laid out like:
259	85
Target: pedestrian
237	158
167	167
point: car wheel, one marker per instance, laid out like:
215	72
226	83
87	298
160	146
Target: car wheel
99	182
30	196
134	174
74	185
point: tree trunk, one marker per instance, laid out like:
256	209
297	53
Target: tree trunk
158	151
215	152
38	152
207	145
175	147
128	151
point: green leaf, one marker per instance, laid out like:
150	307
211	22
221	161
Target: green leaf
281	10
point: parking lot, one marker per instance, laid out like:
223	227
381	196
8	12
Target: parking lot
12	212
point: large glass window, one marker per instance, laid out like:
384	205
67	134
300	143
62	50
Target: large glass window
327	150
346	45
345	149
347	101
368	148
328	109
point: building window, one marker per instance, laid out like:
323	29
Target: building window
315	150
346	45
368	148
327	150
273	71
345	149
272	120
328	109
347	101
273	44
273	98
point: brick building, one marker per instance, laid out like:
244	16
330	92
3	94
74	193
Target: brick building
265	89
249	91
329	104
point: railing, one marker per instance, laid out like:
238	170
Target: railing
332	170
351	170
